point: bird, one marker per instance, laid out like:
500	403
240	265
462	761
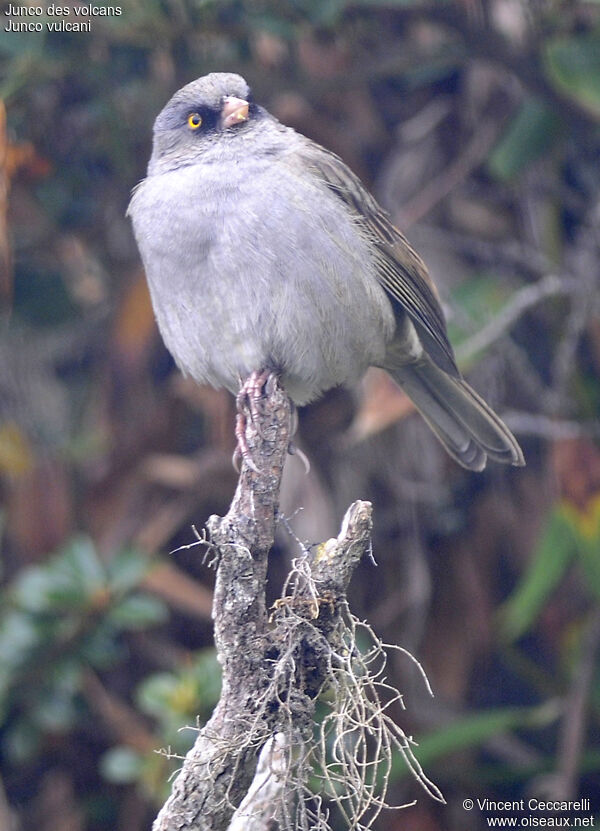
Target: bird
265	253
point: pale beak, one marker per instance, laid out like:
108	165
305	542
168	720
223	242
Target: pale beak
234	111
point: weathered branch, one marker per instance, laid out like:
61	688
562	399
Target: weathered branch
214	776
272	672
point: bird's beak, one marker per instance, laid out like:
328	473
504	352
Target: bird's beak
234	111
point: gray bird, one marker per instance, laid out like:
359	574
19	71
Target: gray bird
263	251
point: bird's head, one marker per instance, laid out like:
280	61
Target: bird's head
208	112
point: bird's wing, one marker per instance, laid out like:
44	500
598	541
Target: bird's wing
400	270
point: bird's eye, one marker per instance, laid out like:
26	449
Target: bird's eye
194	121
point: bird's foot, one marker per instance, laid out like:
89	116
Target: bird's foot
252	390
256	386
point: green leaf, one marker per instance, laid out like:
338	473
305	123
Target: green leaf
154	695
555	550
137	612
80	563
127	569
121	765
473	730
207	671
195	689
18	636
585	523
532	133
573	66
70	579
33	590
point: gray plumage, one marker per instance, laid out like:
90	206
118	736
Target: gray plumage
264	251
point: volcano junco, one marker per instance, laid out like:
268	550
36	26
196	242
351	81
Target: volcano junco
263	251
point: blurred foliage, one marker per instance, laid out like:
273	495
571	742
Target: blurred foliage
477	728
59	620
179	703
534	130
574	67
477	124
567	534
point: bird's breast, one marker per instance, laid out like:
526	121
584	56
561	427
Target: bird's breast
253	267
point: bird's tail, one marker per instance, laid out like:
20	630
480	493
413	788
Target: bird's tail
469	429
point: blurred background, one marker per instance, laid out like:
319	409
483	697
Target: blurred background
476	124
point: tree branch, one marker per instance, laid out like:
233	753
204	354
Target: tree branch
273	670
215	776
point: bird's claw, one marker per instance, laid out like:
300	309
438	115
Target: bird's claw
255	387
242	451
294	450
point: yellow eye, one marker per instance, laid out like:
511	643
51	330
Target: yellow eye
194	121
